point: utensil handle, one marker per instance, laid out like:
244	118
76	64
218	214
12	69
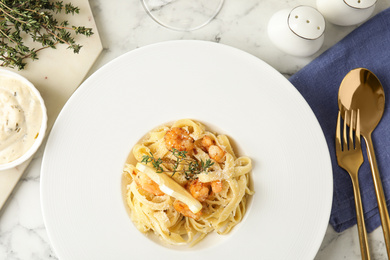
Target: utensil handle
360	219
380	196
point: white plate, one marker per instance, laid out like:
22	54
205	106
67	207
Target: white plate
225	88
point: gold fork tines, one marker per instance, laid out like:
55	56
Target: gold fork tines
350	157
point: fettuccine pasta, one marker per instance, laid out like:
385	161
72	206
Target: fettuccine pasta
213	183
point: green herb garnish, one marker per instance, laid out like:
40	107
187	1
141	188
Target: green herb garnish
20	19
191	167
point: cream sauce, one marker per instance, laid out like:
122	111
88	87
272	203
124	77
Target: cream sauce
20	118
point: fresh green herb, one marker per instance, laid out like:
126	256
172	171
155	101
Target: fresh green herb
156	163
191	167
180	157
20	19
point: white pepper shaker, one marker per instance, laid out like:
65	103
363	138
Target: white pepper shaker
298	31
346	12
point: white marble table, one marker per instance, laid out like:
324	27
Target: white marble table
123	26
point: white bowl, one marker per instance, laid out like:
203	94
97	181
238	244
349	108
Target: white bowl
42	131
82	167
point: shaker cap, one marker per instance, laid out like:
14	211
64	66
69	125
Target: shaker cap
360	4
307	22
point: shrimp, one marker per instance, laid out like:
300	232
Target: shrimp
216	186
179	139
146	183
199	190
206	142
185	210
216	153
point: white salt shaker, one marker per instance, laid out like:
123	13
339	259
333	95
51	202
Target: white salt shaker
298	31
346	12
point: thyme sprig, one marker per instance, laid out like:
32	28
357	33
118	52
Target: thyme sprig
34	19
191	167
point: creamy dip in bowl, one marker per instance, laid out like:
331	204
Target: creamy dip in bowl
23	119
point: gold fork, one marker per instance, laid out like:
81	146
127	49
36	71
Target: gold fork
350	157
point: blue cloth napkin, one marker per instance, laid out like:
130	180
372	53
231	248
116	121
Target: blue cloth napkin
368	46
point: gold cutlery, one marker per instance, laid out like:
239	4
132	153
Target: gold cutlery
350	158
361	89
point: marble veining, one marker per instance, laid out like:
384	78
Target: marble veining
123	26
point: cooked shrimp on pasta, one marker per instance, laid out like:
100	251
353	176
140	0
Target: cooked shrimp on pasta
185	183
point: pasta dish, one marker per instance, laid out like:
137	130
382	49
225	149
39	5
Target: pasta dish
185	182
